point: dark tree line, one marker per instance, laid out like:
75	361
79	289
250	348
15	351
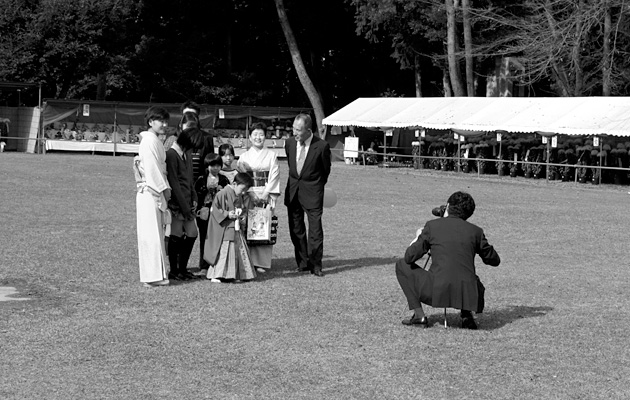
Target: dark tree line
235	51
218	52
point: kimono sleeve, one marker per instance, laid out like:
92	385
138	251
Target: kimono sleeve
153	164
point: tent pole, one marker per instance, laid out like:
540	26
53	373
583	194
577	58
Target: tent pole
600	161
384	146
548	156
40	135
114	136
459	154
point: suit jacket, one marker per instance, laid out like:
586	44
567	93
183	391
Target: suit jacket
309	185
453	243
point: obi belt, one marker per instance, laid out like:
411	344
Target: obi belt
260	177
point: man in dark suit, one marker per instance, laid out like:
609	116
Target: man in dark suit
451	281
309	166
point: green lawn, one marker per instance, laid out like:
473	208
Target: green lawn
555	325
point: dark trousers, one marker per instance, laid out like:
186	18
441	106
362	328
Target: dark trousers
416	283
308	250
203	232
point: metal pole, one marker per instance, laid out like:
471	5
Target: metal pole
41	141
548	156
385	146
600	161
459	154
115	129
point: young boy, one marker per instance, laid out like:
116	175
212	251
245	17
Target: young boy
207	186
226	248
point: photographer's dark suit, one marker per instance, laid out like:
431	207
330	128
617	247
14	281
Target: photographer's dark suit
305	194
451	281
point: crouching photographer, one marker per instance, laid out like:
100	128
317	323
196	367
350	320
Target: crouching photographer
451	281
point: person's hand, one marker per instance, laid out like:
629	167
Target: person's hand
167	194
264	197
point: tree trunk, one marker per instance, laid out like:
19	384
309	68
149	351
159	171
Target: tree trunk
470	79
418	76
101	86
305	80
578	82
606	56
451	45
448	91
559	73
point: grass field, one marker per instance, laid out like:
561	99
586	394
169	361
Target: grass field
556	324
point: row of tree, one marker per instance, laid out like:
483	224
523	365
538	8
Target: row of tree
320	54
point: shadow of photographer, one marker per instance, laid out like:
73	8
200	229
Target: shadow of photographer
498	318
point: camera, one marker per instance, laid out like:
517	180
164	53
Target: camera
439	211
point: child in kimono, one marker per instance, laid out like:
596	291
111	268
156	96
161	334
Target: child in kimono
207	186
225	247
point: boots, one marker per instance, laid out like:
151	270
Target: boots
185	250
174	248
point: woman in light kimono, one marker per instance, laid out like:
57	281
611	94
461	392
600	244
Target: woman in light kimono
153	192
262	164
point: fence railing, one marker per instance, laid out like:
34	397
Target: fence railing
416	160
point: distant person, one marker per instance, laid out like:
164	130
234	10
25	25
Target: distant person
226	250
262	164
451	281
189	110
226	151
309	167
153	193
188	120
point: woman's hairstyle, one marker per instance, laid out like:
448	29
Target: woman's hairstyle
189	118
461	205
258	125
156	113
243	178
224	148
190	139
212	159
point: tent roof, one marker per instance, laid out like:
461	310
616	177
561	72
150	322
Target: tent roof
563	115
133	113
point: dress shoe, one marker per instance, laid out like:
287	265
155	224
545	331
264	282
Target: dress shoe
318	272
469	323
422	322
164	282
303	269
189	275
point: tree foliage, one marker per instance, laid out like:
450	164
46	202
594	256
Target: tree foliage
234	51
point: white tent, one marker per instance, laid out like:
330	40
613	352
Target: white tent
561	115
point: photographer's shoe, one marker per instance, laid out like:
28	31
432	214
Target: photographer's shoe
422	322
469	323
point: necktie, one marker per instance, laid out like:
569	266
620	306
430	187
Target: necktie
301	157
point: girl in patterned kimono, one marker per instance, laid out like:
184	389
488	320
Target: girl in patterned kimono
153	192
225	248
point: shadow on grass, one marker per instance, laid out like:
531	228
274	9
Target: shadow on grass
490	319
287	267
